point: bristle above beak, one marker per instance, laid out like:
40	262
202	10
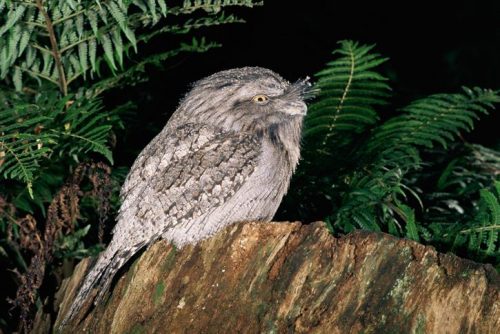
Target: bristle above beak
305	89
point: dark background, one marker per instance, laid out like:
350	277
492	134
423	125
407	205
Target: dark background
433	48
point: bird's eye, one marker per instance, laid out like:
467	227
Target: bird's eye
261	99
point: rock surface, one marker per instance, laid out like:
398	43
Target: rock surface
294	278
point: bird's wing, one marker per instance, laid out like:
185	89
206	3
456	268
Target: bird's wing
170	145
185	177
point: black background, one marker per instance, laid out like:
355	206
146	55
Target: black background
434	47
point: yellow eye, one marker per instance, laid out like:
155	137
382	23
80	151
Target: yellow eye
261	98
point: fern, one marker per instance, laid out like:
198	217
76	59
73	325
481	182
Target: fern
372	200
479	236
59	42
21	153
73	36
135	73
372	172
86	129
435	119
394	147
349	90
22	149
33	133
451	179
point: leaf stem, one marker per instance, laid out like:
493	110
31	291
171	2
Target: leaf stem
63	85
481	229
38	75
347	87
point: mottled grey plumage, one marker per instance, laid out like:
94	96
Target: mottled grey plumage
225	156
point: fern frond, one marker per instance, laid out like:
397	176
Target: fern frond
435	119
348	91
454	178
21	154
481	236
396	144
84	129
86	31
408	214
31	133
368	175
22	149
211	6
192	24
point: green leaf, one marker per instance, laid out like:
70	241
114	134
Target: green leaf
83	56
163	7
17	79
108	51
344	106
411	226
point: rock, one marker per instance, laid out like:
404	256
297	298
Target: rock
294	278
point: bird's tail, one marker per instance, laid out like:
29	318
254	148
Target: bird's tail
99	277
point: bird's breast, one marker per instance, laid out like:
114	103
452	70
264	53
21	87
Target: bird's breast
268	184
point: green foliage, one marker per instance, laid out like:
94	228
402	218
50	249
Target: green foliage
49	127
57	42
349	90
135	73
450	180
437	119
60	41
20	148
461	199
480	237
407	175
393	150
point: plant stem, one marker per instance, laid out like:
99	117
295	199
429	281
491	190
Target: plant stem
63	85
481	229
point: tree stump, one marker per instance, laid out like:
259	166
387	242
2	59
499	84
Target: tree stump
293	278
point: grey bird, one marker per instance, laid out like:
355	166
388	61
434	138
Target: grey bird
225	156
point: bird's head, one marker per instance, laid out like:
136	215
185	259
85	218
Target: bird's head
246	99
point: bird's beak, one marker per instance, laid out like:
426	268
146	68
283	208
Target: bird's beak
299	91
297	108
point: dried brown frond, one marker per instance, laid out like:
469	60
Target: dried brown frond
99	176
62	214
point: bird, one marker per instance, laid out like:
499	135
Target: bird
226	155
